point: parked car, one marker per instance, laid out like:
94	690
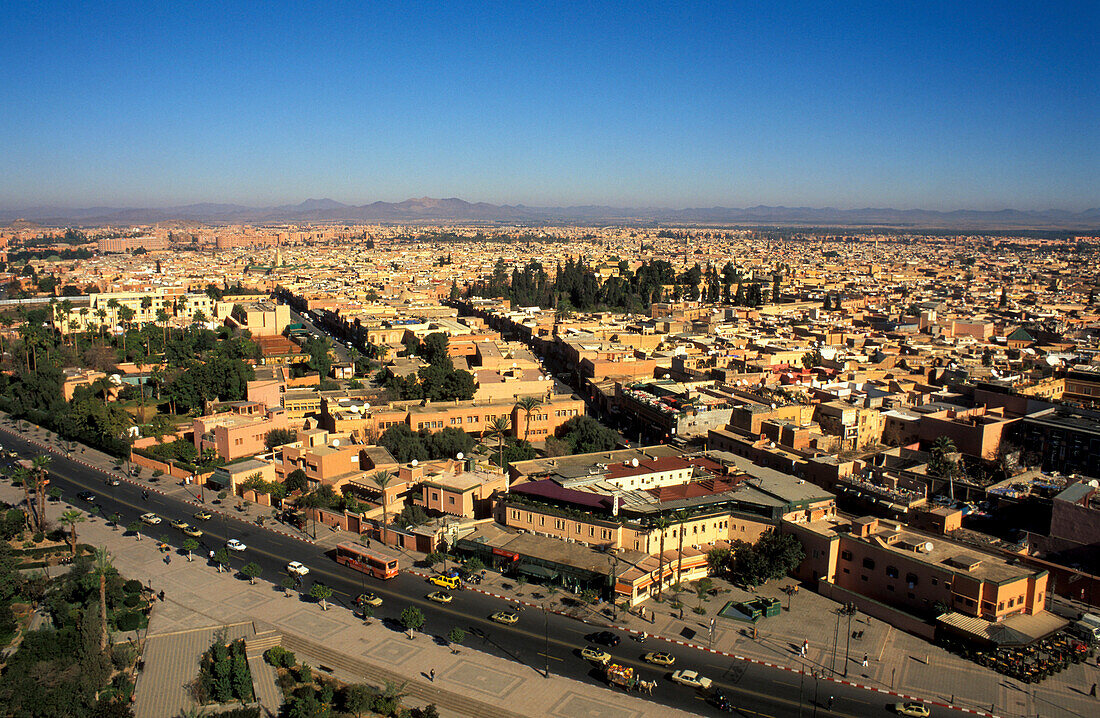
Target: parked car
445	581
235	545
912	708
692	679
296	568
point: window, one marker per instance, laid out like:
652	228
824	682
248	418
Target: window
451	500
935	581
869	564
863	577
846	555
892	571
435	496
911	579
847	570
890	588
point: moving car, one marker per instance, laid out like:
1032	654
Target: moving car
596	654
607	638
235	545
445	581
505	617
179	524
112	481
151	519
86	496
692	679
297	568
203	515
912	708
368	599
659	658
440	597
192	531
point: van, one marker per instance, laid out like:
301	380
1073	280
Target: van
450	582
1088	627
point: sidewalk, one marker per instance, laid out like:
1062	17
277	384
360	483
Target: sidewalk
469	683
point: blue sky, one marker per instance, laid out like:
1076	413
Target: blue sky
918	104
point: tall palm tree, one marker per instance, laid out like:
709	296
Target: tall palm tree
498	429
102	566
680	517
383	479
942	447
528	404
661	524
71	518
162	319
40	465
23	475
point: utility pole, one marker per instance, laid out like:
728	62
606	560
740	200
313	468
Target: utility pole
849	610
836	635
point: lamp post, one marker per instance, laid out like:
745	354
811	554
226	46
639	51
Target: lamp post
836	635
849	610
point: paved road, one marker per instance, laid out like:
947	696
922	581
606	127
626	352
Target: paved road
539	639
338	348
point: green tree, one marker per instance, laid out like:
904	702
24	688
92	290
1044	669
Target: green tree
296	481
190	545
498	429
221	559
278	437
359	699
586	435
71	518
412	618
134	527
102	568
382	479
251	570
528	404
322	593
661	523
455	638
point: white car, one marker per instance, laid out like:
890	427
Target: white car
297	568
691	678
235	545
151	519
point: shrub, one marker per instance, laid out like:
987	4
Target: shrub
132	586
305	673
286	682
279	657
700	610
39	537
158	472
128	621
132	600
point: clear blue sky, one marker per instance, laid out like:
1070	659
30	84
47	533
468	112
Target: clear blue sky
903	104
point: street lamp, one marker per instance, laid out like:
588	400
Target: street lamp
848	610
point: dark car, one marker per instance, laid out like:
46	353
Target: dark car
606	638
111	481
86	496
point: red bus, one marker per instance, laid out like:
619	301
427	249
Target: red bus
369	561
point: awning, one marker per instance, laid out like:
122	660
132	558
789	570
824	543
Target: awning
537	571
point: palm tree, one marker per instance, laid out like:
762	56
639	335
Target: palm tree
39	465
942	447
680	517
71	518
383	479
498	429
661	524
528	404
162	319
23	475
102	567
125	316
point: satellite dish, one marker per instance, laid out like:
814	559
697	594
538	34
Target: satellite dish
460	456
366	407
414	462
116	379
335	443
634	462
928	546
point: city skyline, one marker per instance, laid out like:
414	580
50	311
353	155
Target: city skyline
981	108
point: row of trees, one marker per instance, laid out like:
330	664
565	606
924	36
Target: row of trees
438	381
577	286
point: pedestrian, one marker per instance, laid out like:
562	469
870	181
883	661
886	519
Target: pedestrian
211	555
161	596
865	660
802	651
830	705
167	559
431	675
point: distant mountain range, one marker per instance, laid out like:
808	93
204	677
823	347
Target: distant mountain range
426	209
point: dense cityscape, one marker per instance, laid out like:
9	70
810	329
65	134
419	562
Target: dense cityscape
549	360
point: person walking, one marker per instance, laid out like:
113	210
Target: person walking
865	656
431	675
